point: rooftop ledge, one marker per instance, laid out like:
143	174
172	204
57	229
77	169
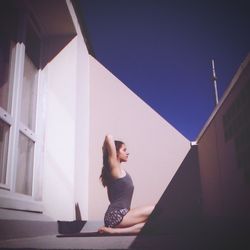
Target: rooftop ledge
225	95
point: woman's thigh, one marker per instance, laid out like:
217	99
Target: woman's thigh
136	215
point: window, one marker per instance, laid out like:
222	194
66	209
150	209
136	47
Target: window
25	163
4	143
26	130
6	47
19	85
4	73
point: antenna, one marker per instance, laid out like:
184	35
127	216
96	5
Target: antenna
215	84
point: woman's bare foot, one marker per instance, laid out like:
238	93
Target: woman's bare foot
106	230
135	229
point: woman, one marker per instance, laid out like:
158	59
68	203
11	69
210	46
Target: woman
119	218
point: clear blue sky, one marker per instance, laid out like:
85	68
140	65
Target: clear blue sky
162	50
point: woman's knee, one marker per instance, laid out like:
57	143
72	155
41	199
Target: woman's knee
144	212
138	227
136	215
148	210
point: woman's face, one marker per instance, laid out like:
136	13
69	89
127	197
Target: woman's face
123	154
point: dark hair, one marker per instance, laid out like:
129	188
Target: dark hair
105	176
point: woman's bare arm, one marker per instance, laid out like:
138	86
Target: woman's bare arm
109	145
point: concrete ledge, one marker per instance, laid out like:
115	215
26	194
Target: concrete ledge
14	229
53	242
11	214
19	224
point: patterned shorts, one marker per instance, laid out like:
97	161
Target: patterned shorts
114	217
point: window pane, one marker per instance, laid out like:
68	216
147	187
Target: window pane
4	72
25	165
4	142
29	94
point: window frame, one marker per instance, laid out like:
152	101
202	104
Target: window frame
8	197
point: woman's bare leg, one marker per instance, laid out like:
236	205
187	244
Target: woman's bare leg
132	222
136	216
135	229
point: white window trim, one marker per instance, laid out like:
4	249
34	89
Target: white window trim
11	200
5	116
40	135
8	198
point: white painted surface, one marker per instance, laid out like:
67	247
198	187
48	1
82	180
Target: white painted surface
156	148
82	121
66	139
58	188
67	131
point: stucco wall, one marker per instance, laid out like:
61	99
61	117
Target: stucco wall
59	161
66	151
82	121
225	186
156	148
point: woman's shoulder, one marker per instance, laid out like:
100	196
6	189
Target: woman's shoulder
118	174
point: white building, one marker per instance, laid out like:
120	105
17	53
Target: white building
57	102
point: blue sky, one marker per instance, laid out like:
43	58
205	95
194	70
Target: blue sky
162	50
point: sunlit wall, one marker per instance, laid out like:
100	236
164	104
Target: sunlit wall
156	148
67	130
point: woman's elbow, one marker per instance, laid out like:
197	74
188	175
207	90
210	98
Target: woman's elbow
108	137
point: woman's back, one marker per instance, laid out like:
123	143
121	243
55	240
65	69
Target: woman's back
120	192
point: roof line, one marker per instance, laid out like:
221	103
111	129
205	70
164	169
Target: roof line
80	17
225	95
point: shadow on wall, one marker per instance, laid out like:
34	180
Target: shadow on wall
178	223
181	199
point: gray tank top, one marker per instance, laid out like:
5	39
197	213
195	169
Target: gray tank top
120	192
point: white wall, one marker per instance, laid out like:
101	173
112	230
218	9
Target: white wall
84	102
156	148
82	122
58	187
67	130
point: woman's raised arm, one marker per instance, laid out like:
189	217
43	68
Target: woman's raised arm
114	164
109	146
